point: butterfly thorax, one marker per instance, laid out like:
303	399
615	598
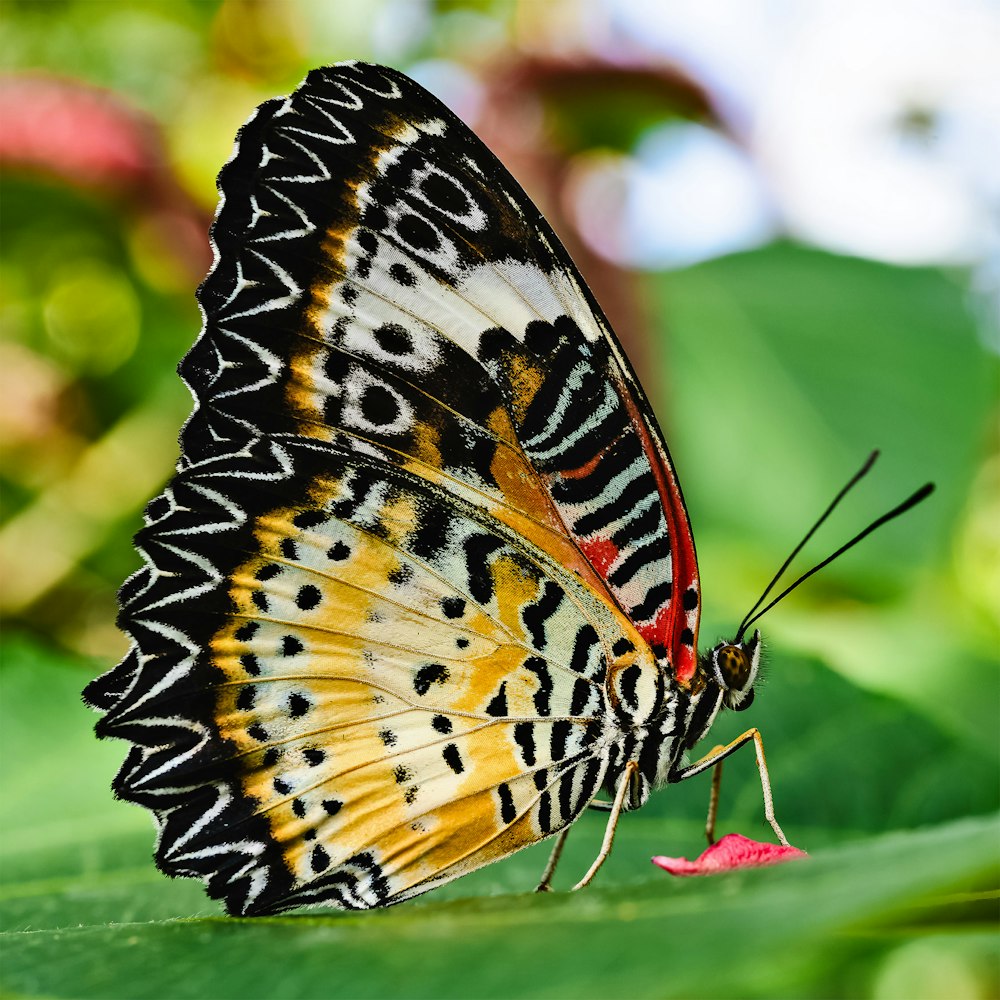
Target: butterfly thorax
682	715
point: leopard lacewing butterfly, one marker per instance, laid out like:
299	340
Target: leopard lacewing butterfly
423	583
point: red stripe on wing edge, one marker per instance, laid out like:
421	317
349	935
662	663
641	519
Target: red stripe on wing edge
671	620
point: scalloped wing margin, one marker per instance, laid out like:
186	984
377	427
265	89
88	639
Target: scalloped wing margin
333	705
321	262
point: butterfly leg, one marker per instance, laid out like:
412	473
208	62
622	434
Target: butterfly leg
545	884
609	833
713	802
719	754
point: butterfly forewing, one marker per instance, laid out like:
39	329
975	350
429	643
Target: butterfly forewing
422	516
428	308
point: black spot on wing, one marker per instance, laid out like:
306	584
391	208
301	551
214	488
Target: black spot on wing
586	640
453	758
545	811
430	673
401	575
338	551
628	681
559	740
298	705
434	528
508	812
542	696
379	405
308	597
306	519
393	339
536	614
581	695
441	724
453	607
442	192
402	275
498	704
622	646
290	645
478	549
524	737
565	791
417	233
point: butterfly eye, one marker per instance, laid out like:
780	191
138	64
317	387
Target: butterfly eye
734	666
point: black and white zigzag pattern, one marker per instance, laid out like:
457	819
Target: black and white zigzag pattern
279	205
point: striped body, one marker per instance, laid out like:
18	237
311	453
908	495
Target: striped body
423	582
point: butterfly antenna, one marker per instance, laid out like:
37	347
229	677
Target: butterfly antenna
852	482
911	501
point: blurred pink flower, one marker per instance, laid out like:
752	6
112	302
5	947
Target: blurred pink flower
81	133
93	139
731	852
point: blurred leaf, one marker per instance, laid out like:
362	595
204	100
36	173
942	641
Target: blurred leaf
841	760
150	51
75	281
784	367
87	915
786	931
594	107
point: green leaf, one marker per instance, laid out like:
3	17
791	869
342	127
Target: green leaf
785	367
85	913
795	930
780	370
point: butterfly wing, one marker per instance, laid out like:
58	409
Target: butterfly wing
425	306
421	517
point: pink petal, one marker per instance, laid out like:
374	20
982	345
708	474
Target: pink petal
732	851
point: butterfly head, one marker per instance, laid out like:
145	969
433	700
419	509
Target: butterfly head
734	666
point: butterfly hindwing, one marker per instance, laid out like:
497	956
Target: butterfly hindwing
396	678
424	555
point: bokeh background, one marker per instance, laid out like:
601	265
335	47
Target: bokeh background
790	213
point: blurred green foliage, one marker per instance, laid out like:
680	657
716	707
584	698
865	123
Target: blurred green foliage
774	373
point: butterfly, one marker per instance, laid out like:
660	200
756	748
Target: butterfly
423	584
